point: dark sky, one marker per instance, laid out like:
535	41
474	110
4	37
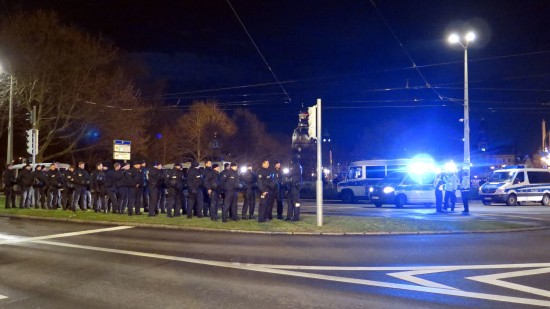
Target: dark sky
346	53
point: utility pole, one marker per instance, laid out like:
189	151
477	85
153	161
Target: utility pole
9	154
319	168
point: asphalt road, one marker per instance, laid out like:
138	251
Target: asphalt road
66	265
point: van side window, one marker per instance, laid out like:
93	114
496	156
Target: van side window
376	171
520	177
538	177
355	172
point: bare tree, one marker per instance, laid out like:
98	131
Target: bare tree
69	76
195	129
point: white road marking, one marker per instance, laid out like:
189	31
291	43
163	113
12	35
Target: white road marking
3	297
14	239
495	279
410	276
282	271
404	268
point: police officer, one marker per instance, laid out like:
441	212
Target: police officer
110	190
174	180
135	189
121	183
293	182
146	192
195	185
265	186
438	187
465	191
81	180
205	171
451	185
229	182
226	168
276	193
97	188
9	181
156	188
212	185
67	192
54	184
249	179
25	180
39	186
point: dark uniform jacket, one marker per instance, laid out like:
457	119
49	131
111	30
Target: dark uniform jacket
135	178
229	181
156	178
68	181
110	180
249	178
40	179
195	181
265	180
25	178
211	179
120	178
294	176
54	179
8	177
97	181
81	177
174	179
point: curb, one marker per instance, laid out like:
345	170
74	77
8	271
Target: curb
198	229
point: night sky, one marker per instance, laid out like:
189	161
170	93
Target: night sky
359	60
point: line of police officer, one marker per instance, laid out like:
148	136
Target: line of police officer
127	188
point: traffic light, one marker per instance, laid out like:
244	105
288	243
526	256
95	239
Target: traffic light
29	117
312	122
30	141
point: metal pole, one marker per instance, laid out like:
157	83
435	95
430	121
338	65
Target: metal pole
34	135
466	112
319	168
9	154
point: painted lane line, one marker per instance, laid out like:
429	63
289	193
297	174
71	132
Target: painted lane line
252	267
495	279
411	277
70	234
3	297
405	268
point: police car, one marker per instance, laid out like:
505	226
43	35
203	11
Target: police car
401	188
515	184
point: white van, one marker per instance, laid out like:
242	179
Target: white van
401	188
362	175
513	185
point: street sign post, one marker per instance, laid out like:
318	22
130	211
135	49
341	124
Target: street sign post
122	150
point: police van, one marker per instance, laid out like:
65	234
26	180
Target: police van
515	184
362	175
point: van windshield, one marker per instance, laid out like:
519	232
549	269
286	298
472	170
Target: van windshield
393	178
502	176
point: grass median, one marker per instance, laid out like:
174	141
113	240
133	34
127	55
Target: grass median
332	224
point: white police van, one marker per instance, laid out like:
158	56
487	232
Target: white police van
515	184
362	175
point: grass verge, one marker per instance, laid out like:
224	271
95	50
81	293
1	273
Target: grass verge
332	224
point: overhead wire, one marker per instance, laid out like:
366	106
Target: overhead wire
260	53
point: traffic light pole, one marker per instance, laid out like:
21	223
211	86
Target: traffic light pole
34	135
9	155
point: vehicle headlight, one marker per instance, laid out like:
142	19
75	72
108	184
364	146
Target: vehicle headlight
371	189
388	189
500	190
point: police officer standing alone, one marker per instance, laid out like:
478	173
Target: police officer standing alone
195	184
293	182
249	178
265	185
156	188
9	181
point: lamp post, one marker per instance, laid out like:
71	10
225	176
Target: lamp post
464	42
9	152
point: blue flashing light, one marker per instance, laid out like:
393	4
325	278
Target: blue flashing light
158	136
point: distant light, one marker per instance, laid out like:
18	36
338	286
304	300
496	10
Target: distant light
450	167
326	171
324	139
329	140
492	167
483	149
243	169
470	36
159	136
286	170
453	38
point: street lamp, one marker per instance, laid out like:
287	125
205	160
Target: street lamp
464	42
9	152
